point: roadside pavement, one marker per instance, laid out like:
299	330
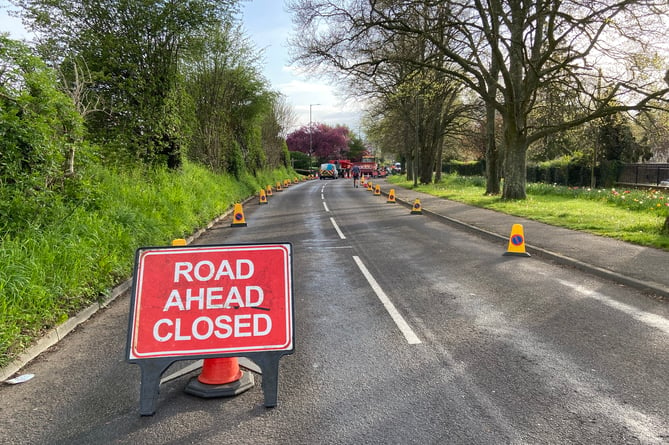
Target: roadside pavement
643	268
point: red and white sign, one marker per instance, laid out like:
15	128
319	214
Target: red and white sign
202	300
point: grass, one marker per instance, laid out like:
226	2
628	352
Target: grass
55	264
635	216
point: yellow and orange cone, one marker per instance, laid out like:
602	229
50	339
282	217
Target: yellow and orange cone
238	219
417	209
516	245
391	197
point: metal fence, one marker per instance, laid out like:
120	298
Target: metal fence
644	174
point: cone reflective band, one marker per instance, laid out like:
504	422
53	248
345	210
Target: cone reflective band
208	300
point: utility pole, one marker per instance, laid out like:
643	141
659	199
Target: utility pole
311	139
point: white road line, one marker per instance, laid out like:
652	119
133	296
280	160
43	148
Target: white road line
341	235
326	206
403	326
647	318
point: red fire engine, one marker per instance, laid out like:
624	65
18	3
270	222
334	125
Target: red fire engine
368	166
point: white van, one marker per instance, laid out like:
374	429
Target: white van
328	171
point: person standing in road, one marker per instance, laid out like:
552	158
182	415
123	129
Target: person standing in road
356	175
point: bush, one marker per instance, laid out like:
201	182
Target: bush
38	124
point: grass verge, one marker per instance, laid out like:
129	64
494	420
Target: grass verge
54	267
635	216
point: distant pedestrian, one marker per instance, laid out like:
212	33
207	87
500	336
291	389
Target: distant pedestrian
356	175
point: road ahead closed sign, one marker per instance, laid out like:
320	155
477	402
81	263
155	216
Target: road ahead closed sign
209	300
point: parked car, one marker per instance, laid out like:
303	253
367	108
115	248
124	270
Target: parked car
328	171
665	183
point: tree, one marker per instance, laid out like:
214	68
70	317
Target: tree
273	127
508	52
39	128
617	141
39	124
132	50
321	140
654	132
421	103
356	148
236	120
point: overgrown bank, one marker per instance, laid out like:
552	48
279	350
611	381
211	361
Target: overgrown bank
78	249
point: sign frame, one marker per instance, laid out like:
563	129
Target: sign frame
154	363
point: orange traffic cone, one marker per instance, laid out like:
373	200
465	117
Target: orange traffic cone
370	186
377	190
179	242
278	187
269	190
238	216
391	197
516	242
417	209
263	196
286	183
220	377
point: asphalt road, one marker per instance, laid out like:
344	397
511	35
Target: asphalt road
407	330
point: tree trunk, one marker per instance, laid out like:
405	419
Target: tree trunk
515	160
70	161
440	156
491	154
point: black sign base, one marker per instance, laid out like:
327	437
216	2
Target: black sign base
152	370
206	391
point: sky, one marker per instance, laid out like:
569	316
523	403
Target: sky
268	25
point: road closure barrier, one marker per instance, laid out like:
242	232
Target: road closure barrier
211	302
